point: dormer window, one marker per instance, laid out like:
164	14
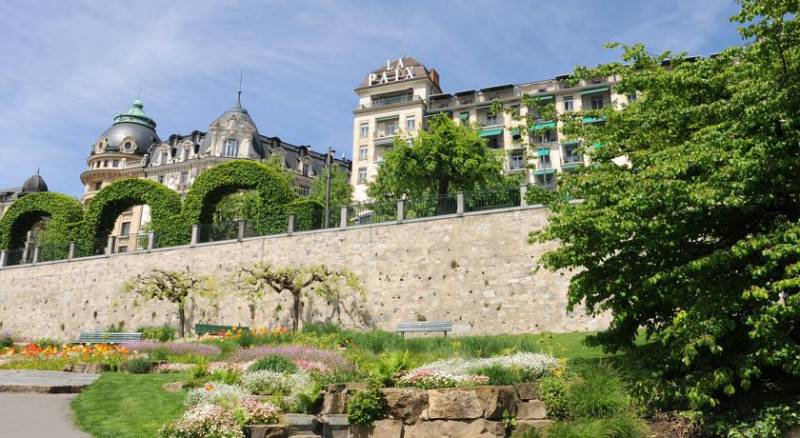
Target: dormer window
231	148
164	157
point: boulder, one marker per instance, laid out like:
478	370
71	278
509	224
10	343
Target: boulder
406	404
495	400
302	424
265	431
453	404
172	386
334	397
531	410
527	391
335	426
538	425
480	428
379	429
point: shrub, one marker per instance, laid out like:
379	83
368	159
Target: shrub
47	342
6	340
256	412
621	426
598	392
225	375
388	367
365	407
138	366
275	363
293	392
500	375
529	366
553	392
216	392
204	420
427	379
162	333
176	348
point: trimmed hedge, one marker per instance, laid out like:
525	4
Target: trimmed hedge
309	214
65	215
112	200
213	184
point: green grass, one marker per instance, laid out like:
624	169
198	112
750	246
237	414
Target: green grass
127	405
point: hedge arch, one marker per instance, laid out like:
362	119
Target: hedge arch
215	183
112	200
65	215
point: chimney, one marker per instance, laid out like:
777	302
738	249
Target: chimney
434	75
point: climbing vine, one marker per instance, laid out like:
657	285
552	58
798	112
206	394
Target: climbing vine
65	215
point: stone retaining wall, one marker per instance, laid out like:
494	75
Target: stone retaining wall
476	270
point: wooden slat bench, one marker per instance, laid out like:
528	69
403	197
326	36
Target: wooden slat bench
211	329
108	338
424	327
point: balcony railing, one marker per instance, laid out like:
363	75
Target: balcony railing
389	101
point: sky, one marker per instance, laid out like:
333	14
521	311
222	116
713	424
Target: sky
68	67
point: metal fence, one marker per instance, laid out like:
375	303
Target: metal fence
356	215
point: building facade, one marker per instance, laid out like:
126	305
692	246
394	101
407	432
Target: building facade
34	184
131	148
397	98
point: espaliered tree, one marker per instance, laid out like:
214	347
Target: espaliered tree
256	280
696	244
173	286
445	157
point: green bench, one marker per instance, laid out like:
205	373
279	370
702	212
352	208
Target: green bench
212	329
108	338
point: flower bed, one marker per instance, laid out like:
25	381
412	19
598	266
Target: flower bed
221	420
176	348
35	356
303	357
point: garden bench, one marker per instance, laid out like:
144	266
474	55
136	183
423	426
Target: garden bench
425	327
211	329
108	338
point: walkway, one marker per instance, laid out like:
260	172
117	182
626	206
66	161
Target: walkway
36	403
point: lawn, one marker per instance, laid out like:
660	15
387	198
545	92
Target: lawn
127	405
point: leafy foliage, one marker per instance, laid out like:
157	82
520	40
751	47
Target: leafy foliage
173	286
444	157
65	215
162	333
138	365
275	363
341	191
366	406
698	240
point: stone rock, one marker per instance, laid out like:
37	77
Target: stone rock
527	391
88	368
406	404
480	428
531	410
302	423
265	431
334	397
794	433
496	399
335	426
378	429
453	404
538	425
172	386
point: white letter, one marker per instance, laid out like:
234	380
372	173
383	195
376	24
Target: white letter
400	63
388	64
396	74
372	78
384	79
409	73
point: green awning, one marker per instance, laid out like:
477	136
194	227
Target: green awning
595	90
394	117
545	97
464	116
543	125
544	152
589	120
546	171
491	132
515	132
570	143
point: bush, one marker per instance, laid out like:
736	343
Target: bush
217	392
621	426
6	340
365	407
161	333
598	392
275	363
553	392
500	375
47	342
138	366
387	367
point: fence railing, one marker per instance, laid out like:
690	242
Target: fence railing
339	217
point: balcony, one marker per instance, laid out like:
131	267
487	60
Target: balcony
385	136
388	101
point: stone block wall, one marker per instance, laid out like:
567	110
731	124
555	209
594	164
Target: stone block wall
476	270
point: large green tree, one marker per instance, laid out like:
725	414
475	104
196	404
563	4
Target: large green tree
341	190
444	157
697	242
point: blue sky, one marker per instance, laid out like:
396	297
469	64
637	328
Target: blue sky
69	66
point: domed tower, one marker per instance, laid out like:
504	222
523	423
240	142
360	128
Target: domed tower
34	184
120	151
234	135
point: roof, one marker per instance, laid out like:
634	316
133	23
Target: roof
417	68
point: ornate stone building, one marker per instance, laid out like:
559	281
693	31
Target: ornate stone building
131	147
34	184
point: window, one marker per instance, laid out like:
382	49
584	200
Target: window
569	104
544	161
164	157
115	163
125	229
364	129
105	163
572	155
184	177
98	185
411	124
516	162
231	147
122	249
362	153
362	175
491	119
597	103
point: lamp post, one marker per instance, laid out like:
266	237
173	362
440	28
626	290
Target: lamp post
328	187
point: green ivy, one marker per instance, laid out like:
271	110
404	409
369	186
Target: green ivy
308	214
215	183
65	215
112	200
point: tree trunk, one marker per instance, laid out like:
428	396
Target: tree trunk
181	321
252	311
296	312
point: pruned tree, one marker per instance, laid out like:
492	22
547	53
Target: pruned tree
256	280
173	286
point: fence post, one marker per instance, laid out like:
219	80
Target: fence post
195	234
240	233
151	240
35	254
401	213
523	192
292	222
26	251
460	203
110	247
71	254
3	258
343	218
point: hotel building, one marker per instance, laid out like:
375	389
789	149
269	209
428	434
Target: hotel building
397	98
